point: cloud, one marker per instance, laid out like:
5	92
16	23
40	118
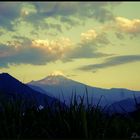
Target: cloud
101	13
112	61
89	35
9	11
87	48
92	37
119	35
36	52
49	15
56	26
96	10
71	21
84	51
55	47
40	51
17	53
122	26
71	13
128	26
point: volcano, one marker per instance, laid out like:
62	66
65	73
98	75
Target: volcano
63	88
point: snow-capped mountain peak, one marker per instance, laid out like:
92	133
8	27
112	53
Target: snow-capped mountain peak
53	80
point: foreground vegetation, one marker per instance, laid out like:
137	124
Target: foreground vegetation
73	122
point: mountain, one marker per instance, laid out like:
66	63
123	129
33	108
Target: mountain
11	88
62	88
124	106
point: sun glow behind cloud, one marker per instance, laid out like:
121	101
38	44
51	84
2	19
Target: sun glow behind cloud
56	73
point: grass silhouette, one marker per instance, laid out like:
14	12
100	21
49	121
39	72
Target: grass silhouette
76	121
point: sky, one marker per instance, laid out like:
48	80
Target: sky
96	43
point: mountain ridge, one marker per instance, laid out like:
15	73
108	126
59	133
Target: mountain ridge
65	77
111	97
11	88
68	86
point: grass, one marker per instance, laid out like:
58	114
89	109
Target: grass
74	122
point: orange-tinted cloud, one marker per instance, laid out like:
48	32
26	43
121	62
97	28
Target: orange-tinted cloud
54	47
128	26
94	38
89	35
